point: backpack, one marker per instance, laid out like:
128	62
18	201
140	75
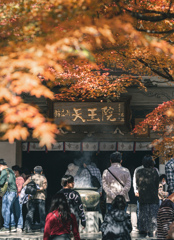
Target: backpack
31	188
94	180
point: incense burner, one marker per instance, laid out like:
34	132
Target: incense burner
89	196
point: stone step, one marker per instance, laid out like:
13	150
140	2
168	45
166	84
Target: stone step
39	236
22	236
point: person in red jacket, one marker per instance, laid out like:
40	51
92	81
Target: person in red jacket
60	221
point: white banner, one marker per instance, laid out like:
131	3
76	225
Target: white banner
107	146
90	146
72	146
35	147
58	146
125	146
143	146
24	146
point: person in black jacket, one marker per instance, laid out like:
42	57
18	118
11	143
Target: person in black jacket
117	223
147	180
73	198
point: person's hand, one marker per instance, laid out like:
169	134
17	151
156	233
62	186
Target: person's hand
100	194
137	194
84	165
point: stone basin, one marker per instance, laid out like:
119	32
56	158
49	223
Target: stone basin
90	197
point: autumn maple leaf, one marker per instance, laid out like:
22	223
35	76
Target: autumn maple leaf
18	132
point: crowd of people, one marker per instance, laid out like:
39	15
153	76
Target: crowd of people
18	208
26	192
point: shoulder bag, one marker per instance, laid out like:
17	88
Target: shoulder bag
116	178
94	180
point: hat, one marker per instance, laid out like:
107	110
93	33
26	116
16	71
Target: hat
2	162
38	169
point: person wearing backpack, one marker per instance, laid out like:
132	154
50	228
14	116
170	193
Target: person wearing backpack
7	178
36	186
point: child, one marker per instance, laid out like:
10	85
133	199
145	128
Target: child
162	194
117	223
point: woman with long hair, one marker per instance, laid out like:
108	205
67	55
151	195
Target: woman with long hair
60	221
147	179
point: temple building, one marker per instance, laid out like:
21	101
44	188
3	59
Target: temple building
96	129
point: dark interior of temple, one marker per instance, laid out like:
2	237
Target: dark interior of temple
55	164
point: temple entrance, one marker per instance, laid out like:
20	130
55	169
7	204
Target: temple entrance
55	164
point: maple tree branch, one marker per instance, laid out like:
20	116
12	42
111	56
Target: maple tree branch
167	76
159	73
161	15
170	5
166	70
155	32
164	37
167	40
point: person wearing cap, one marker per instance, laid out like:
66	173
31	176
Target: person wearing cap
17	205
8	198
38	200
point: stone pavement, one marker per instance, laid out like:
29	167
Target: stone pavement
39	236
97	236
